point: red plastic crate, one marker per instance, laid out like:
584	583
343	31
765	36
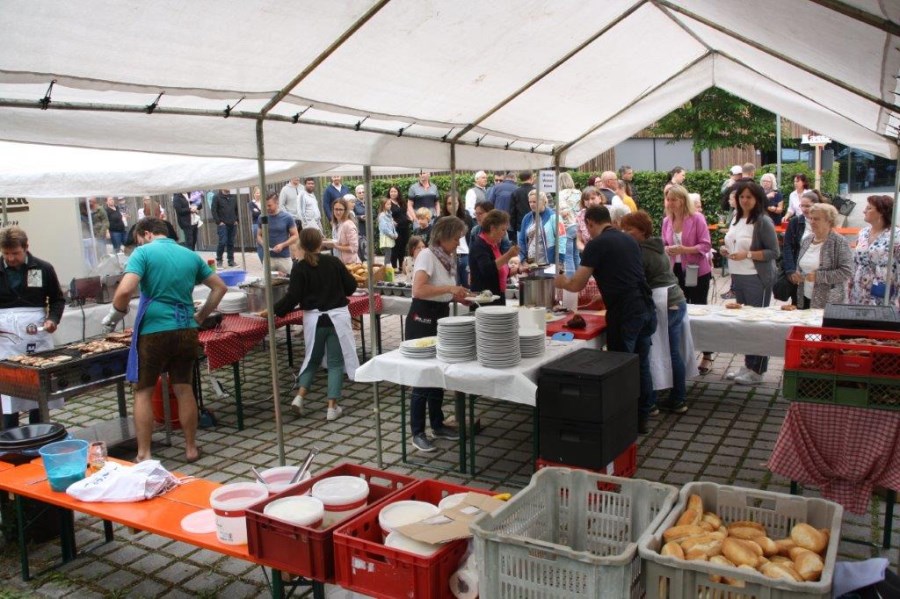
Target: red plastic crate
365	565
307	551
827	350
625	465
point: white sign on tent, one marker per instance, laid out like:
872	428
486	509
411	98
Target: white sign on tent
547	181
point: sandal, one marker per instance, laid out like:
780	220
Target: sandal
705	366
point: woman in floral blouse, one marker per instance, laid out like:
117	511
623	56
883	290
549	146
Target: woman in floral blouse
871	257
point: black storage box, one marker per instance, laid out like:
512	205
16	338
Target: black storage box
851	316
593	446
589	385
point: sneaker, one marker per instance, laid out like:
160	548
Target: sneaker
422	443
736	373
297	405
643	426
232	263
654	411
334	413
679	409
219	263
728	294
445	432
748	378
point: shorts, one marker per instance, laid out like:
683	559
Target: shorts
168	351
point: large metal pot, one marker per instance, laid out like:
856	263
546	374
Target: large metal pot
256	294
537	290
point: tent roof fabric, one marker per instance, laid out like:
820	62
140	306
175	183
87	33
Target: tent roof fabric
515	83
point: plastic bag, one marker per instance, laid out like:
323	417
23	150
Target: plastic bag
116	483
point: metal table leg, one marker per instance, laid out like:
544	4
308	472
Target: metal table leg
403	423
120	396
23	547
888	518
362	337
290	345
472	431
238	403
167	409
461	428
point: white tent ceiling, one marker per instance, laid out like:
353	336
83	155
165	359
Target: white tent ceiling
393	82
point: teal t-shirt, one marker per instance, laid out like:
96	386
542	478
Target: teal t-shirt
168	274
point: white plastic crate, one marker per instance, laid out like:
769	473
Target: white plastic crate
672	578
569	533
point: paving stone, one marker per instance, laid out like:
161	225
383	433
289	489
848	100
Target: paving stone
148	587
119	579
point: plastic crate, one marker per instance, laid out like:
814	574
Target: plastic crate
625	465
835	389
562	537
303	550
365	565
672	578
827	350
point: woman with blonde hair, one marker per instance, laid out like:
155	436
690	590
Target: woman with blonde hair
569	200
774	201
345	235
686	236
387	231
825	261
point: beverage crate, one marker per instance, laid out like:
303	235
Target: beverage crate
854	352
672	578
563	537
304	550
364	564
861	392
625	465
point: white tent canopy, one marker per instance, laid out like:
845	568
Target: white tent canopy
514	83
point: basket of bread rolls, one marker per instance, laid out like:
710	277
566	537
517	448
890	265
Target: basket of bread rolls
720	538
360	272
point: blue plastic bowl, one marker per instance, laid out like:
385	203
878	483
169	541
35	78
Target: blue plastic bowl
233	278
65	462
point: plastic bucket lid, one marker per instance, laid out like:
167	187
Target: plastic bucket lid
395	540
278	478
230	501
341	493
301	510
201	522
404	512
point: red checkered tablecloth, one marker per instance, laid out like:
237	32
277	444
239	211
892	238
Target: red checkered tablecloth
844	451
236	335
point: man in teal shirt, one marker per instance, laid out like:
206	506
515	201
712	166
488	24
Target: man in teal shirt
165	327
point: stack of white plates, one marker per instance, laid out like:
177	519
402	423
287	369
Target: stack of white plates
456	339
531	342
233	302
497	335
424	347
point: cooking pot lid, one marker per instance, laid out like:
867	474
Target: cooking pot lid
31	432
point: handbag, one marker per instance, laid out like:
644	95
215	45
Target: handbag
783	289
385	241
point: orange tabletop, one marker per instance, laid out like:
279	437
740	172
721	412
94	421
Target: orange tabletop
160	515
4	466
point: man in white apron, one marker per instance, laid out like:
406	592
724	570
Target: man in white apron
31	305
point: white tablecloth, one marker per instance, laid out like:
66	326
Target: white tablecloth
755	331
517	384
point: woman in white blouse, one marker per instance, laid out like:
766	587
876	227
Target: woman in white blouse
826	262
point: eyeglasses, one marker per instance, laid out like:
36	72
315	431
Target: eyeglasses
338	209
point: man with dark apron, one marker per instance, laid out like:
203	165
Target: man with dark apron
31	306
165	327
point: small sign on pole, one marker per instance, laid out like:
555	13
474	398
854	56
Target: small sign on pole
547	181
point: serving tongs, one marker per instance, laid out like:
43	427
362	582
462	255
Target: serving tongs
306	464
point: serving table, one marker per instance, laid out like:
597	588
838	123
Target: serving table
517	384
754	331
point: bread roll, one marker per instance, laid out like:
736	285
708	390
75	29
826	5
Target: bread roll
780	559
809	565
706	526
680	533
696	555
690	516
745	532
739	552
719	560
746	524
695	502
780	571
808	537
755	547
712	519
768	545
673	549
708	544
784	546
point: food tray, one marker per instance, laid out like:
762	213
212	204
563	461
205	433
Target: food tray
303	550
625	465
364	564
562	537
843	351
836	389
671	578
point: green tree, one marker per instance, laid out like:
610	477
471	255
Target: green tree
717	119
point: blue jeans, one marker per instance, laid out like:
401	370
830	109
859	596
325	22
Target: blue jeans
629	329
226	242
433	397
462	270
572	259
259	250
676	321
118	240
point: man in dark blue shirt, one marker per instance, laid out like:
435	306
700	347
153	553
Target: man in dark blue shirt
333	192
614	260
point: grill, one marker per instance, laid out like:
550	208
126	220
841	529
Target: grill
79	374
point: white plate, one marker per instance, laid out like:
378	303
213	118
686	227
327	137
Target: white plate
477	299
551	317
731	313
421	343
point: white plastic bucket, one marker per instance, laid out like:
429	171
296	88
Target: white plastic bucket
342	496
229	502
451	501
400	541
277	479
400	513
301	510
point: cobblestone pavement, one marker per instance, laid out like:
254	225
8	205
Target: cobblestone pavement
726	437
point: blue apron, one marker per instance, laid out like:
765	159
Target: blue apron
183	313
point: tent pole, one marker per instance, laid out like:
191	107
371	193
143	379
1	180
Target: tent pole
556	174
889	276
373	317
241	229
778	150
90	220
453	188
5	220
270	305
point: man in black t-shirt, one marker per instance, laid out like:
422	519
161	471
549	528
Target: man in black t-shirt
614	260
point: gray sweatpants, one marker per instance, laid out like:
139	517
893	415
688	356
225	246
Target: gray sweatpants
749	290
